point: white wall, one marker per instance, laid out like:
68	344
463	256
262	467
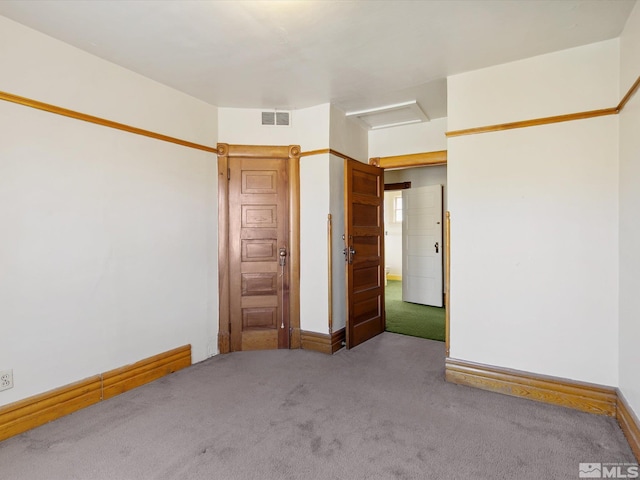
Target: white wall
108	246
568	81
321	193
314	276
37	66
347	136
392	233
629	215
339	280
243	126
534	264
407	139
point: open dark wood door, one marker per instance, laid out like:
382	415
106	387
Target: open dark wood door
364	252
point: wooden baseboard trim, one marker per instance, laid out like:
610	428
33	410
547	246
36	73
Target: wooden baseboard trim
629	424
323	342
32	412
318	342
568	393
23	415
126	378
224	345
338	340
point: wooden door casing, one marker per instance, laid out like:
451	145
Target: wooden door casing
258	214
364	239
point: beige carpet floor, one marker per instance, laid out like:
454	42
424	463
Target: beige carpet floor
379	411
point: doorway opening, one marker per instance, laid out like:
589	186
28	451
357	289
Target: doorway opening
415	202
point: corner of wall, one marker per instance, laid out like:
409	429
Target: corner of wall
409	139
347	136
629	231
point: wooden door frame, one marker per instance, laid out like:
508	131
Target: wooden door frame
292	154
428	159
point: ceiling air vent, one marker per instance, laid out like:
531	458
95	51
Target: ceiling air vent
276	118
282	118
390	115
268	118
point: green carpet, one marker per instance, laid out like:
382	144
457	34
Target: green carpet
411	318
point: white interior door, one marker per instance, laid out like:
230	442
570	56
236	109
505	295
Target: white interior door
422	245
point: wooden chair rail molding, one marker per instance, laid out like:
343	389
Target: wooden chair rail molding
100	121
23	415
327	150
546	120
582	396
629	94
438	157
412	160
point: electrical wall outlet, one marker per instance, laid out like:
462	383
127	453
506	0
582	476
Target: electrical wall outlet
6	379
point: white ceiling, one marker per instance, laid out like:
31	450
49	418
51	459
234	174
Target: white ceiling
294	54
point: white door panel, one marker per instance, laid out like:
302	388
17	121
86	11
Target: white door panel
424	284
415	244
421	231
420	265
422	221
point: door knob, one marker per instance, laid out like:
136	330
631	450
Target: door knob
437	245
348	253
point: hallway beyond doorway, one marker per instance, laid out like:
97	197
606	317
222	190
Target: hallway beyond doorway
411	318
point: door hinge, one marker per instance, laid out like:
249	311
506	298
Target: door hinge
228	174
